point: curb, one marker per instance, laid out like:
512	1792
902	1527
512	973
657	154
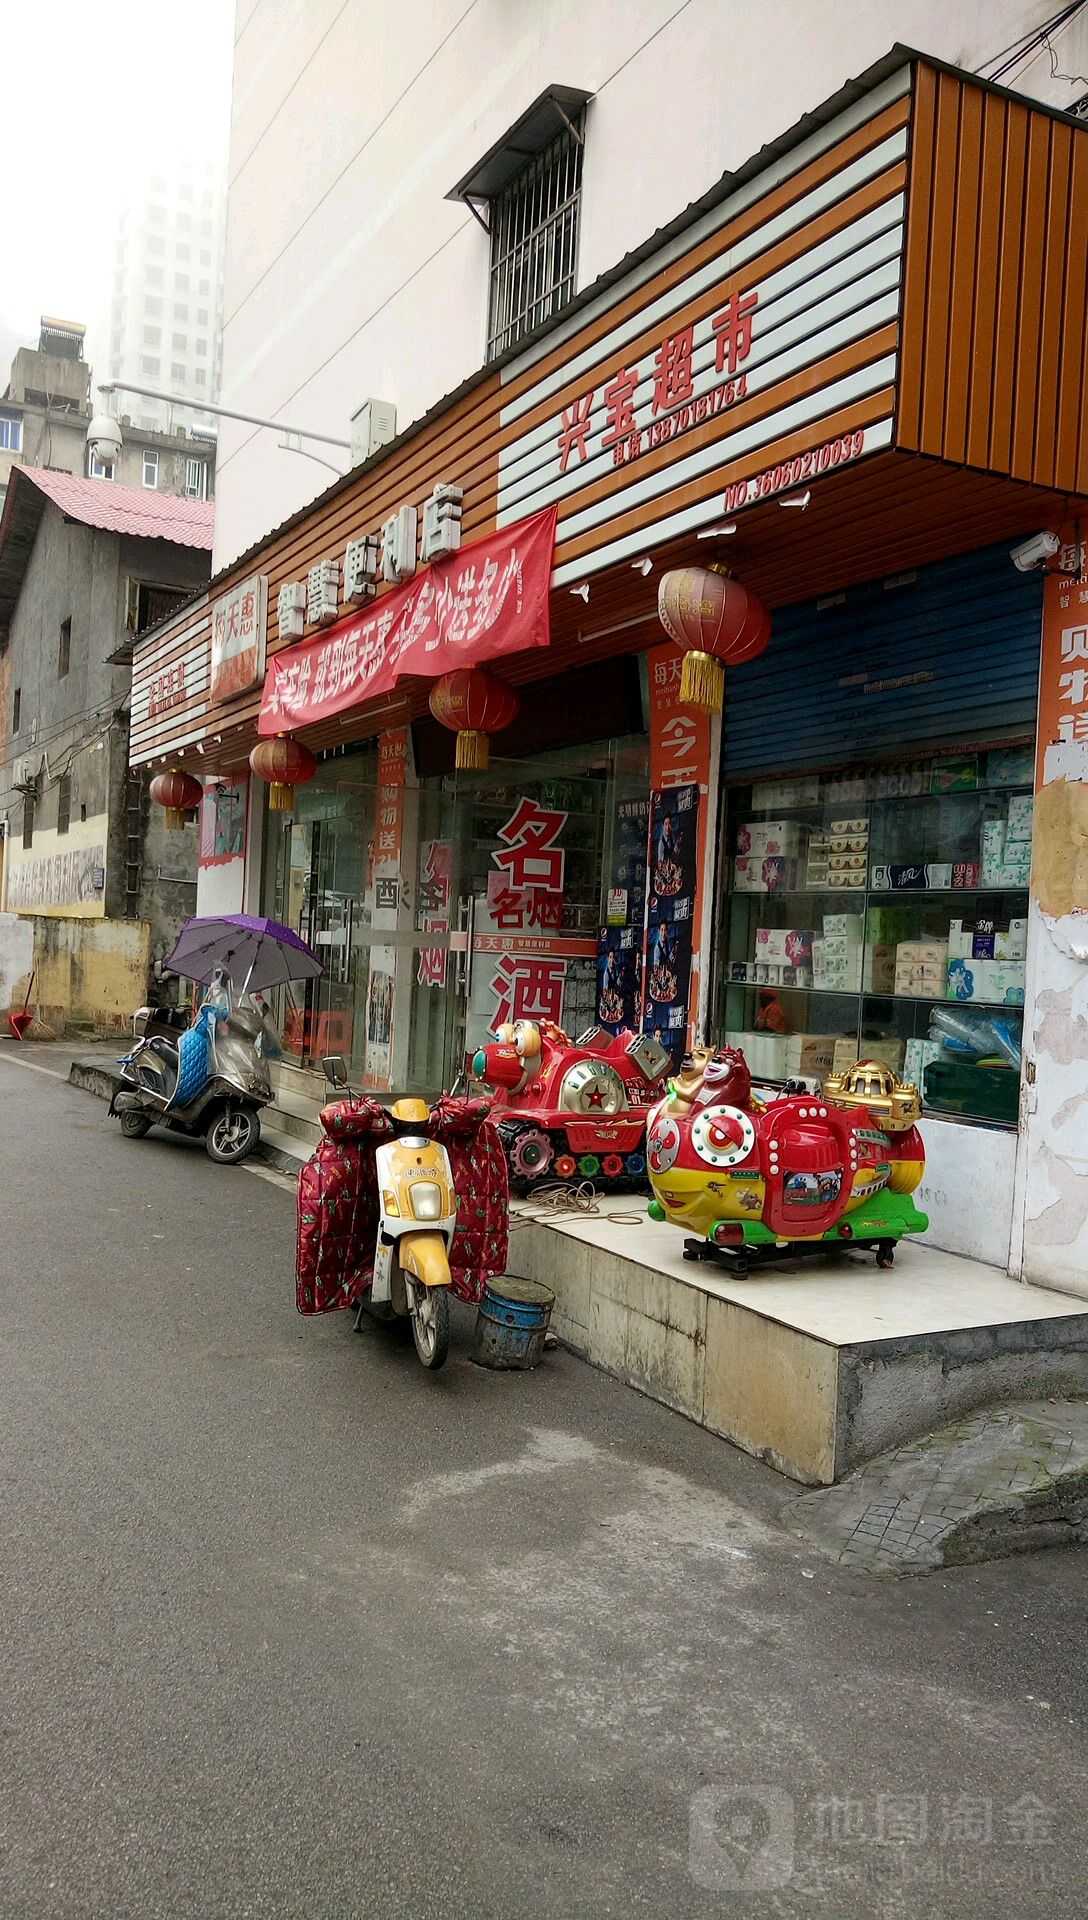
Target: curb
102	1081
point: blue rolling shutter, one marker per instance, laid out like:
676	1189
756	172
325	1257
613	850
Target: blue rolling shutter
944	656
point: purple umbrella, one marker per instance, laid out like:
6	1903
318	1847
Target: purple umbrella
256	953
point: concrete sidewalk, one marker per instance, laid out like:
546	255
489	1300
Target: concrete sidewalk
1006	1480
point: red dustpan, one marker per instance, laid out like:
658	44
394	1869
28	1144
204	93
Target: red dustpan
19	1019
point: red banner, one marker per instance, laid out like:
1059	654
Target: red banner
490	599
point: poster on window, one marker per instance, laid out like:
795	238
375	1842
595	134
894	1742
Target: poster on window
435	891
619	978
393	749
673	865
523	962
223	823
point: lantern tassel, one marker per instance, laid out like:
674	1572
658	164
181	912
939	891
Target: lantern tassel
472	755
175	817
702	683
281	798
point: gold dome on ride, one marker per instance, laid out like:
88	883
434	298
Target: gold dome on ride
869	1083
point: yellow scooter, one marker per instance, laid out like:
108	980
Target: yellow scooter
417	1213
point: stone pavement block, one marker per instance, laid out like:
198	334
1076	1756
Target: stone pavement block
1004	1480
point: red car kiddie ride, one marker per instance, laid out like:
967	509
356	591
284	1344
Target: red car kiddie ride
571	1109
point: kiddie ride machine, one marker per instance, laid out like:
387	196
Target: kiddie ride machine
571	1109
798	1173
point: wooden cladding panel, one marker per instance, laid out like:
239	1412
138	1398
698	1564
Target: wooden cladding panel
995	290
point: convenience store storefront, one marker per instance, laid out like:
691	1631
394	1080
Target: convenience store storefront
853	374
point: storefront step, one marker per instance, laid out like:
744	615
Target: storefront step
814	1369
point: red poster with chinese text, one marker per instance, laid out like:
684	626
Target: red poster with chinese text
488	600
681	749
1063	667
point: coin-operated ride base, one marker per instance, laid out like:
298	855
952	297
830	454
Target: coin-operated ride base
571	1110
761	1179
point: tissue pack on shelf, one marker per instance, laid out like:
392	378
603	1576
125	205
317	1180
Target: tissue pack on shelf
997	982
921	969
986	940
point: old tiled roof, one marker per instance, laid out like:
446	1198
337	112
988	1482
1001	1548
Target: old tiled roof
139	511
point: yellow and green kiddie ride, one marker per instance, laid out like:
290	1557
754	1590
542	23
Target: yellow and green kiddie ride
794	1173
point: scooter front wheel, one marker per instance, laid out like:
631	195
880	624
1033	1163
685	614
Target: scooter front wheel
233	1133
430	1314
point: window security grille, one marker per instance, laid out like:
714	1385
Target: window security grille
534	241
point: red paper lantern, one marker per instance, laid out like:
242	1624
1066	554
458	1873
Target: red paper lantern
715	620
286	764
179	793
474	703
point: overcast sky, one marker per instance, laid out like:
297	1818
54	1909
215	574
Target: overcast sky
99	95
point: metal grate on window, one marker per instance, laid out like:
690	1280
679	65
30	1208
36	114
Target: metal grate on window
534	241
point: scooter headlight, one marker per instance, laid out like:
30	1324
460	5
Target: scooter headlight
426	1199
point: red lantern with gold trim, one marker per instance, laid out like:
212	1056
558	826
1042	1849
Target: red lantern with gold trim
286	764
475	703
717	622
179	793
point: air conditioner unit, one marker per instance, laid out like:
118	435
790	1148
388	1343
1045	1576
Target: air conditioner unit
25	776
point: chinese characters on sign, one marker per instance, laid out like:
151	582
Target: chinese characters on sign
695	374
681	756
167	689
1063	676
238	634
519	923
435	890
490	598
322	588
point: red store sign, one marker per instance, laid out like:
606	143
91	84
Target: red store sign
489	599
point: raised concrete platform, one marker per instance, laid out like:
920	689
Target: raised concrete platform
813	1367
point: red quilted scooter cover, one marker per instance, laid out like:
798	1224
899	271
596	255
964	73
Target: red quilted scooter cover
338	1201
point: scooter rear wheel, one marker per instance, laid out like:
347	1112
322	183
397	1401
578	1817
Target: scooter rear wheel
430	1317
233	1133
135	1125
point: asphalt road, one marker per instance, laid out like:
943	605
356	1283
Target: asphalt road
290	1628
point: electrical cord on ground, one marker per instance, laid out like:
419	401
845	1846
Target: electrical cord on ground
556	1197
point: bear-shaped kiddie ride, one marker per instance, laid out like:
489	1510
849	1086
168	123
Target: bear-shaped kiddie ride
756	1179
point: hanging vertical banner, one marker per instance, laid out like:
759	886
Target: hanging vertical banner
682	753
670	909
1063	666
393	750
620	940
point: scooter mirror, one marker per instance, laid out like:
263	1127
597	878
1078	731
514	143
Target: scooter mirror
335	1069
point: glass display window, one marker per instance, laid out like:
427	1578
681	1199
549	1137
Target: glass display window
882	915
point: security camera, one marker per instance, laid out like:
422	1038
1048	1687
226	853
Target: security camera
1034	552
104	438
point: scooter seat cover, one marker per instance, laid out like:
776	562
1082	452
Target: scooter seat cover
338	1202
193	1065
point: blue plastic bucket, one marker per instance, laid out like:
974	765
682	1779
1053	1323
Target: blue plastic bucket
511	1323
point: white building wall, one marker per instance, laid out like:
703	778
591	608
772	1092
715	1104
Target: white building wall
176	232
348	273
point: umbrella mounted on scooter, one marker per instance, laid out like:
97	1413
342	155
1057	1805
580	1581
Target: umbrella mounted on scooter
256	953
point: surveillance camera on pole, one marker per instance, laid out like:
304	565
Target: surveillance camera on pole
104	438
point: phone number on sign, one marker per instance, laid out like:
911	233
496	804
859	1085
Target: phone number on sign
791	473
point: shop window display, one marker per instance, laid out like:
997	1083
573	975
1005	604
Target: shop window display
883	914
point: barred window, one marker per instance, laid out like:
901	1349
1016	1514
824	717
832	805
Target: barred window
534	240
